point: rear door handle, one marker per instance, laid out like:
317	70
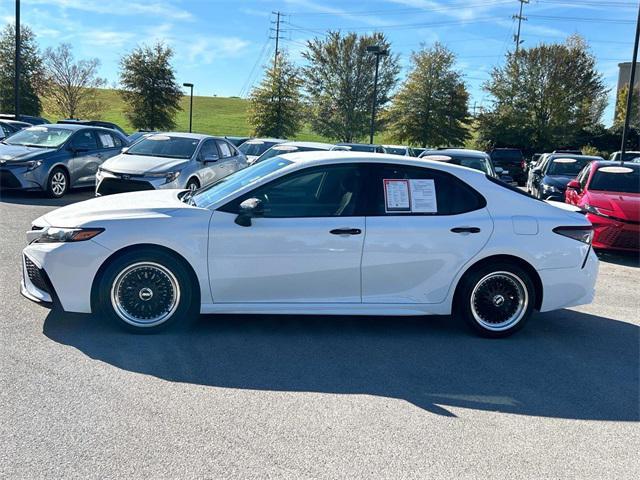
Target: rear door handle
465	230
345	231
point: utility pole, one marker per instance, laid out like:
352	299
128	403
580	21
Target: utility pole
520	19
16	79
632	78
277	22
378	51
277	72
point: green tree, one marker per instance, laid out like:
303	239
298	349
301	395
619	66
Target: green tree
431	107
31	71
339	81
149	88
621	108
72	86
544	97
275	106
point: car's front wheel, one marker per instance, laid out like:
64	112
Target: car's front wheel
147	290
58	183
496	300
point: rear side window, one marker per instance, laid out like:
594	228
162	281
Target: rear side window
225	149
452	195
108	140
85	140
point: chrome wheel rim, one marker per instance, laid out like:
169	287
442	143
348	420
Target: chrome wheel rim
499	301
58	183
145	294
193	187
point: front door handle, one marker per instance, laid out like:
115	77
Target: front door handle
346	231
465	230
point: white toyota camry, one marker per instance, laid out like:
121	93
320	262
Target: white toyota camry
316	233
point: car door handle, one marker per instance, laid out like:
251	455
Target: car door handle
465	230
346	231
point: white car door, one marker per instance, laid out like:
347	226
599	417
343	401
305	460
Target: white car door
305	247
414	247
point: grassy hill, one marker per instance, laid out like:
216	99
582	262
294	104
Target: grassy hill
213	115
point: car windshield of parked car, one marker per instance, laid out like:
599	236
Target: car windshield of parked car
477	163
395	150
40	137
361	148
165	146
567	166
616	179
281	150
507	155
227	185
255	148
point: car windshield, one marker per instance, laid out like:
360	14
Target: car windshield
395	150
616	179
231	183
41	137
567	166
507	155
255	149
165	146
360	148
281	150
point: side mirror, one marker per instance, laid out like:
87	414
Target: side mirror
124	150
574	185
250	208
210	158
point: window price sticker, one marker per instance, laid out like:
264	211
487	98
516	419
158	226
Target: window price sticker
410	196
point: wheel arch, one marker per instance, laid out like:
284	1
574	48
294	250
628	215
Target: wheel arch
196	178
140	246
526	266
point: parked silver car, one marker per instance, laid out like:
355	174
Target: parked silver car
169	160
55	158
257	146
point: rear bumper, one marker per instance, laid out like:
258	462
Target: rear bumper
569	287
612	234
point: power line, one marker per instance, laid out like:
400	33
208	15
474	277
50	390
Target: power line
401	11
583	19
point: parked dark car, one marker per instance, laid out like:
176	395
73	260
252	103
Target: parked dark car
93	123
629	156
31	120
57	157
549	179
237	141
510	159
9	127
361	147
470	159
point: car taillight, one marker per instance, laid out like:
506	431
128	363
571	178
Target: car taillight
582	234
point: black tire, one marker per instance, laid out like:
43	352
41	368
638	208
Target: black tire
57	183
148	272
495	300
193	184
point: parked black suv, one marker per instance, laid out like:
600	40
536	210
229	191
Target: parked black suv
510	159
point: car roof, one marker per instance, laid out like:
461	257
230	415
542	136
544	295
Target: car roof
615	163
279	140
195	136
318	145
75	127
395	146
573	155
345	144
458	151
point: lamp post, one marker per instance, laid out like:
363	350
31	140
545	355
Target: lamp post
378	51
16	79
190	85
627	116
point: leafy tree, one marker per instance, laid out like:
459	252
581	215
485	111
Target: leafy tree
431	108
544	96
31	71
72	86
339	81
275	108
621	108
149	88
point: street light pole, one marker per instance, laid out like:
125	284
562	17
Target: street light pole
632	78
16	77
190	85
378	52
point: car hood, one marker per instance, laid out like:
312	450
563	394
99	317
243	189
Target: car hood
139	164
558	180
625	206
14	153
146	204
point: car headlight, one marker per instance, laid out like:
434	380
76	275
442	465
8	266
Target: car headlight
168	176
549	189
30	164
61	235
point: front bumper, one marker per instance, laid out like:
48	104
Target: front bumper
19	178
35	284
108	184
611	234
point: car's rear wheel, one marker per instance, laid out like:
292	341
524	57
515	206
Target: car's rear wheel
193	184
147	290
57	183
496	300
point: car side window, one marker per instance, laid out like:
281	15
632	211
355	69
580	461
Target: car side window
453	196
583	176
85	139
208	151
328	191
225	149
108	140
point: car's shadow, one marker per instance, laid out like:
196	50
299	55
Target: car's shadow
565	364
626	259
40	198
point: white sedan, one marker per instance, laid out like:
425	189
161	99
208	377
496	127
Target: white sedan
316	233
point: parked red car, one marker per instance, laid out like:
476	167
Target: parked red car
609	193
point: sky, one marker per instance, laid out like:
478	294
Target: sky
222	46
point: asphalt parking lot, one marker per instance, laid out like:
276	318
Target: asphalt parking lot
317	397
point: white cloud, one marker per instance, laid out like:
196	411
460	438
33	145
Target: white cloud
207	49
121	7
317	7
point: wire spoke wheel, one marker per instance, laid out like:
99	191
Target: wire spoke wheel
145	294
499	301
